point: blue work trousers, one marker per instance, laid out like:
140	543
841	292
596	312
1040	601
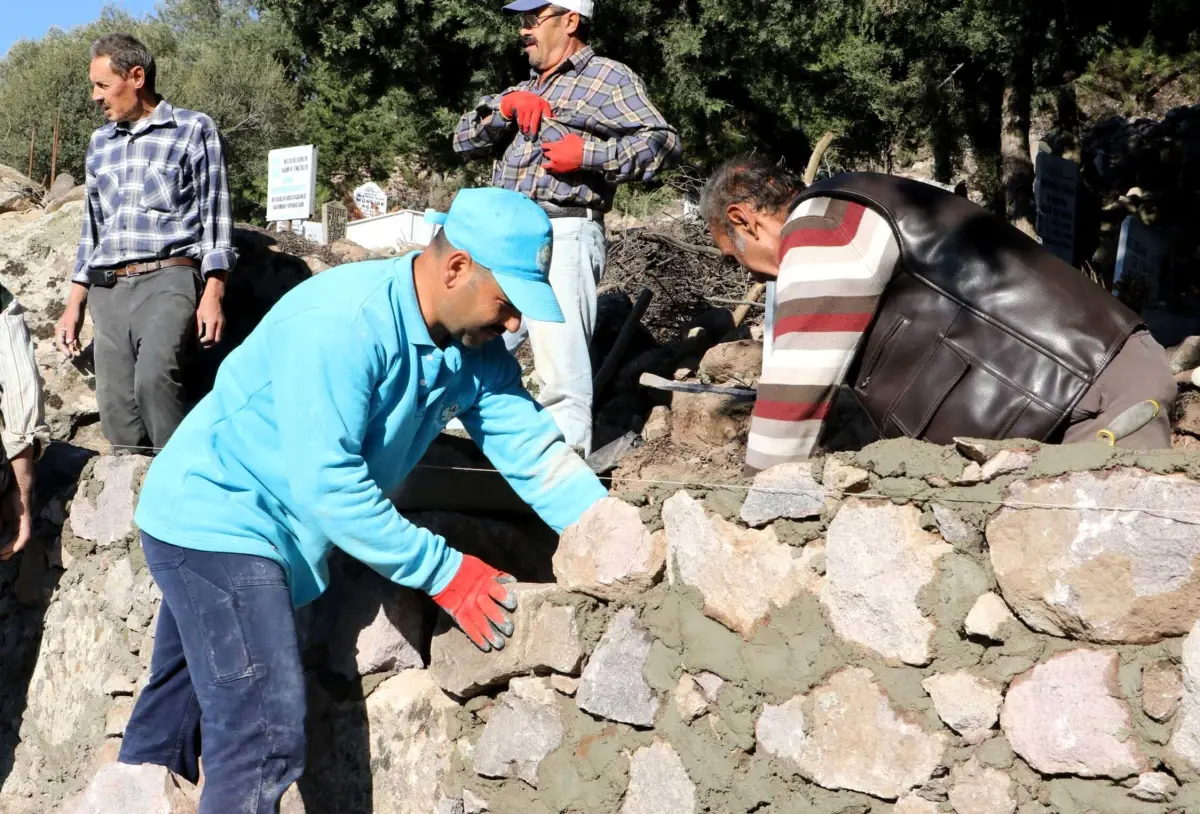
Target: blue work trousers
225	673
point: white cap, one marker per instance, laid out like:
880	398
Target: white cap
583	7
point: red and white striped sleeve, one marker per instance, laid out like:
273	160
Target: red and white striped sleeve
836	258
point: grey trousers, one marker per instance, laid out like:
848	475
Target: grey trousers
1138	372
145	330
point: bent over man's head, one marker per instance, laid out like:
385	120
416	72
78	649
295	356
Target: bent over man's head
745	204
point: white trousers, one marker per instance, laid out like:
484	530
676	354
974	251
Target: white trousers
561	352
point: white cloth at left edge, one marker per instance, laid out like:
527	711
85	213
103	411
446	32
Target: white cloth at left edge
562	352
21	404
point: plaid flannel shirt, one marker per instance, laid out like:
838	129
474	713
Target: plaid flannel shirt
157	188
625	137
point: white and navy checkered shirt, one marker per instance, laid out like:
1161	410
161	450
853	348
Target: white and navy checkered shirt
157	188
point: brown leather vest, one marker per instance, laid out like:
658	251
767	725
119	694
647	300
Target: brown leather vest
981	332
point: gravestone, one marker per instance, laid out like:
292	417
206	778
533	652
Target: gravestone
1140	257
333	219
370	199
1056	181
314	232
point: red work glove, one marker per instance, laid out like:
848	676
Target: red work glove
564	155
479	602
527	108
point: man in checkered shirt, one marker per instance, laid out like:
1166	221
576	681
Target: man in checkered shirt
580	125
156	246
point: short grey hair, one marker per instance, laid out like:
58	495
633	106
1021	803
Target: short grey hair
126	52
750	179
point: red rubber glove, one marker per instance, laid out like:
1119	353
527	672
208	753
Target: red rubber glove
479	602
527	108
564	155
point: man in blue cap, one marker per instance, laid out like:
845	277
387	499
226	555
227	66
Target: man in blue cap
313	421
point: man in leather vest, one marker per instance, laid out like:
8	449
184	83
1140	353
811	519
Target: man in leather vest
943	319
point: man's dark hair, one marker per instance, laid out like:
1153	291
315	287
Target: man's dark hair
125	53
765	185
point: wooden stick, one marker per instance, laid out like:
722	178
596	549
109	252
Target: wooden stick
658	237
726	301
32	134
814	161
739	313
617	351
54	151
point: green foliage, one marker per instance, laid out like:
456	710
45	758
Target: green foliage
368	81
214	56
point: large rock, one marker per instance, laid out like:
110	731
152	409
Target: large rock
704	551
855	741
1067	716
975	789
102	512
788	491
1124	575
1155	787
735	363
390	753
1162	689
704	420
877	560
525	728
609	553
17	192
545	637
367	624
121	789
613	685
1184	746
967	704
658	782
989	618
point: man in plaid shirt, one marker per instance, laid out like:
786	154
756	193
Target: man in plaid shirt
580	125
156	246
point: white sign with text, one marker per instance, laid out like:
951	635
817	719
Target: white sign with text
291	183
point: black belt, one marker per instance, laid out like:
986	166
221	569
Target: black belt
553	211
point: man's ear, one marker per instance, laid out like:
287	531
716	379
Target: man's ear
571	22
742	217
456	268
137	75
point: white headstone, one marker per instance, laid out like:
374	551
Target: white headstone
370	199
314	232
1055	185
291	183
1140	256
298	225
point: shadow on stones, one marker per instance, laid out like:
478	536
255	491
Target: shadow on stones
26	583
264	274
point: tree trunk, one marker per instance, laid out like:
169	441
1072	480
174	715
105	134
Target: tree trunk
1016	162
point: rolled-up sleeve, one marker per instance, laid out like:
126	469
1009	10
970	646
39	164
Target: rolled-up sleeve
21	401
215	203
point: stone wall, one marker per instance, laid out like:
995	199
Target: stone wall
909	628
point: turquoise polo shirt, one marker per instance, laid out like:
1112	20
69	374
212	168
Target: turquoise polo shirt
322	412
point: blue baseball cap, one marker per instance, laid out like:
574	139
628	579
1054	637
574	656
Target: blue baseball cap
509	234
